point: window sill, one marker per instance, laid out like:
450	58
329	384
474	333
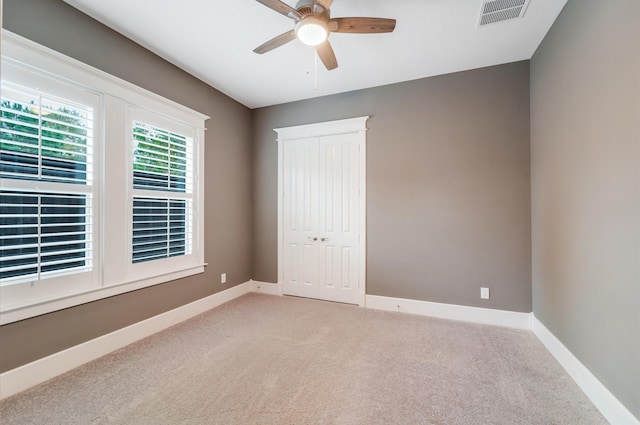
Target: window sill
13	313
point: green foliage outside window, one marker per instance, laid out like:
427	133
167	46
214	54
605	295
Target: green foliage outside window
159	151
63	132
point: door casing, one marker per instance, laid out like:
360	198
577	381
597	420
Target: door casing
356	126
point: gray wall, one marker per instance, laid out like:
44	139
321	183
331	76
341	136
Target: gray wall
448	189
585	140
227	172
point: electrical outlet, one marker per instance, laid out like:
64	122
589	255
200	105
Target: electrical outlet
223	278
484	293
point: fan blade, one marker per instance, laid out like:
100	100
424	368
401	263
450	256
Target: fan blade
327	56
282	8
362	25
325	3
276	42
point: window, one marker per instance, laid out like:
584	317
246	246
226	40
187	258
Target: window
49	141
162	163
48	222
100	184
163	194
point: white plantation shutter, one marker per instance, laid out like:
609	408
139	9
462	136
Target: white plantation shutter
45	138
46	142
161	228
162	193
44	234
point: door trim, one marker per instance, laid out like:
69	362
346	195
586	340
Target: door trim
356	125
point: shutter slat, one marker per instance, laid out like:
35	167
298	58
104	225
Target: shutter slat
15	268
9	257
20	123
65	252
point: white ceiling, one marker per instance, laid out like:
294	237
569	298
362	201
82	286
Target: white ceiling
213	40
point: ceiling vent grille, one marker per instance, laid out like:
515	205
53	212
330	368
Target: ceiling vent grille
501	10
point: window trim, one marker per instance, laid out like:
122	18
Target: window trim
27	54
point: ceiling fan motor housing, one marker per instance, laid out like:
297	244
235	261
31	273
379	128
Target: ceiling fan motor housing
310	7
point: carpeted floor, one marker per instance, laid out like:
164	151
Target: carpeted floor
278	360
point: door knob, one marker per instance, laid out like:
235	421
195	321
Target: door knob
324	239
313	239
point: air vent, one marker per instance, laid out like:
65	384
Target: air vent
501	10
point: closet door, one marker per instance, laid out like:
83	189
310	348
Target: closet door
321	211
338	221
300	220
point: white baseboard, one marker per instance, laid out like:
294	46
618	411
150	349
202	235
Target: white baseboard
23	377
600	396
266	288
487	316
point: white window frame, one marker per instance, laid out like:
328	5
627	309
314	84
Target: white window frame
35	291
113	273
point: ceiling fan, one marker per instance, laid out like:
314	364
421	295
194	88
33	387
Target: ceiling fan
314	24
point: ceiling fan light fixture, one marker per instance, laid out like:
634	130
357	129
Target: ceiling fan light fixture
314	24
312	31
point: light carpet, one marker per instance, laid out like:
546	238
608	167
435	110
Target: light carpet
280	360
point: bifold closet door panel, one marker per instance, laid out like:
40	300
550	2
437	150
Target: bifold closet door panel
300	218
338	220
